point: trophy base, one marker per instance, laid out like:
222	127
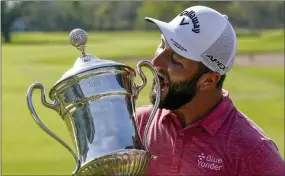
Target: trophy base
124	163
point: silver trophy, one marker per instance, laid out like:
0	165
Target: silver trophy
96	99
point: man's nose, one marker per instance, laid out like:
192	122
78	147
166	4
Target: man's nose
160	60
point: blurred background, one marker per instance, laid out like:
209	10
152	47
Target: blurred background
35	48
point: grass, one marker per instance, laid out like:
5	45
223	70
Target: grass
27	150
130	44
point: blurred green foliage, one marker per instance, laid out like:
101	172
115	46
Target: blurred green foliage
129	15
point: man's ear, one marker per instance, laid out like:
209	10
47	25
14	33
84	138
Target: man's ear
209	80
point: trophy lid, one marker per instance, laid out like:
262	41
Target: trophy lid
78	38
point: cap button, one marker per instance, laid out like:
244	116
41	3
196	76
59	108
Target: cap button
226	17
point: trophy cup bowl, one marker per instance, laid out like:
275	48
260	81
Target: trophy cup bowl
96	99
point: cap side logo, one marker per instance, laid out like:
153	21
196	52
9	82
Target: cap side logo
192	15
217	62
178	45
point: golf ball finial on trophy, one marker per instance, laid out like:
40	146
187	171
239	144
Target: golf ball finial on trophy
78	38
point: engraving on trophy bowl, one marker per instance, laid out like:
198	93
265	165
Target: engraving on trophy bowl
93	83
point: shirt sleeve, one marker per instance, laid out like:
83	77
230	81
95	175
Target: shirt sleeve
263	161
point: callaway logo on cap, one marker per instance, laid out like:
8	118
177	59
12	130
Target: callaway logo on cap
201	34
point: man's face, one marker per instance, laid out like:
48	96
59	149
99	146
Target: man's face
178	78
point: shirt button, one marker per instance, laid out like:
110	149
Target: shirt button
181	133
177	151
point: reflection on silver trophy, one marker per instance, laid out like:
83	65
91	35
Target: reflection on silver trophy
96	99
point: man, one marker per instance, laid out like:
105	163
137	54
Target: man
197	130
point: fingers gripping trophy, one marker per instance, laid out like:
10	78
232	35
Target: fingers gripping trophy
96	99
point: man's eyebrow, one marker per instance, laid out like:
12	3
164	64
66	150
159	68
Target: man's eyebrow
179	56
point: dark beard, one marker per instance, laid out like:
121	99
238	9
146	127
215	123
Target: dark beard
178	94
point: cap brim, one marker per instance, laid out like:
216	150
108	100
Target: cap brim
172	39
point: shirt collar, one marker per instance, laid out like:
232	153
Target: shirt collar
213	121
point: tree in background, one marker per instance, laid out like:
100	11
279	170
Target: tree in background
129	15
10	12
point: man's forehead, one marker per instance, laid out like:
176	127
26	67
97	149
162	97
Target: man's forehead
167	46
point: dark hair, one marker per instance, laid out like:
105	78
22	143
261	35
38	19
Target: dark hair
204	69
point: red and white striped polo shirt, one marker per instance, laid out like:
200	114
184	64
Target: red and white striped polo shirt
225	142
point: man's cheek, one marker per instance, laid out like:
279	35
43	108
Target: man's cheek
175	76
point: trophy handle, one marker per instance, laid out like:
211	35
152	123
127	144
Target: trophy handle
158	95
53	106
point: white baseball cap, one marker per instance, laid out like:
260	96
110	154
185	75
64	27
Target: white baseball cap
201	34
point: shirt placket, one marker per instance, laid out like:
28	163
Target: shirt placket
177	153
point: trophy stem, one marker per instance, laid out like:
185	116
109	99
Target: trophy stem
82	49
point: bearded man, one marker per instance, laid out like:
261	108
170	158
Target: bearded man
197	129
